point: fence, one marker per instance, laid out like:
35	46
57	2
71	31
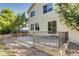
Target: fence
54	40
57	43
13	35
62	38
45	39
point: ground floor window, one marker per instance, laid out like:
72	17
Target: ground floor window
52	27
32	27
37	26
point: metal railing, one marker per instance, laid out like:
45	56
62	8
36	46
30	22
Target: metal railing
59	41
42	37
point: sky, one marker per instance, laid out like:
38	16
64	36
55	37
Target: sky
16	7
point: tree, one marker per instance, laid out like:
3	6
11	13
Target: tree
24	20
21	21
8	18
9	21
1	24
69	14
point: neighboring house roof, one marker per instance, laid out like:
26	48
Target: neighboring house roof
31	7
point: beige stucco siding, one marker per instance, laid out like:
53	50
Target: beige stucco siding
43	19
73	34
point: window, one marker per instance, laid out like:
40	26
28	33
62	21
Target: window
32	13
32	27
37	26
52	27
47	8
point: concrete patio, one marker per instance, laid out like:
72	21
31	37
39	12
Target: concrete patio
23	49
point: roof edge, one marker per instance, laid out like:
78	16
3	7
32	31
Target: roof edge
31	7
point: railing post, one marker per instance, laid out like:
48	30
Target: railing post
57	44
33	39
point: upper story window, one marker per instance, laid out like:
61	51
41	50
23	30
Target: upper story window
32	13
47	8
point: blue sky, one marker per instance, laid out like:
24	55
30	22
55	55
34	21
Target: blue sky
20	7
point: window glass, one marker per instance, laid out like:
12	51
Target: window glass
48	7
52	27
36	26
32	27
45	9
32	13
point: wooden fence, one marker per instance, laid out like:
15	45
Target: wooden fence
12	35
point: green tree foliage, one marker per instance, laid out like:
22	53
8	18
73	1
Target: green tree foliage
69	14
21	21
7	17
24	20
9	21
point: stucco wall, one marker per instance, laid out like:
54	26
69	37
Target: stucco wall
43	19
73	35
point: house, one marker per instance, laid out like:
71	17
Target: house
43	18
